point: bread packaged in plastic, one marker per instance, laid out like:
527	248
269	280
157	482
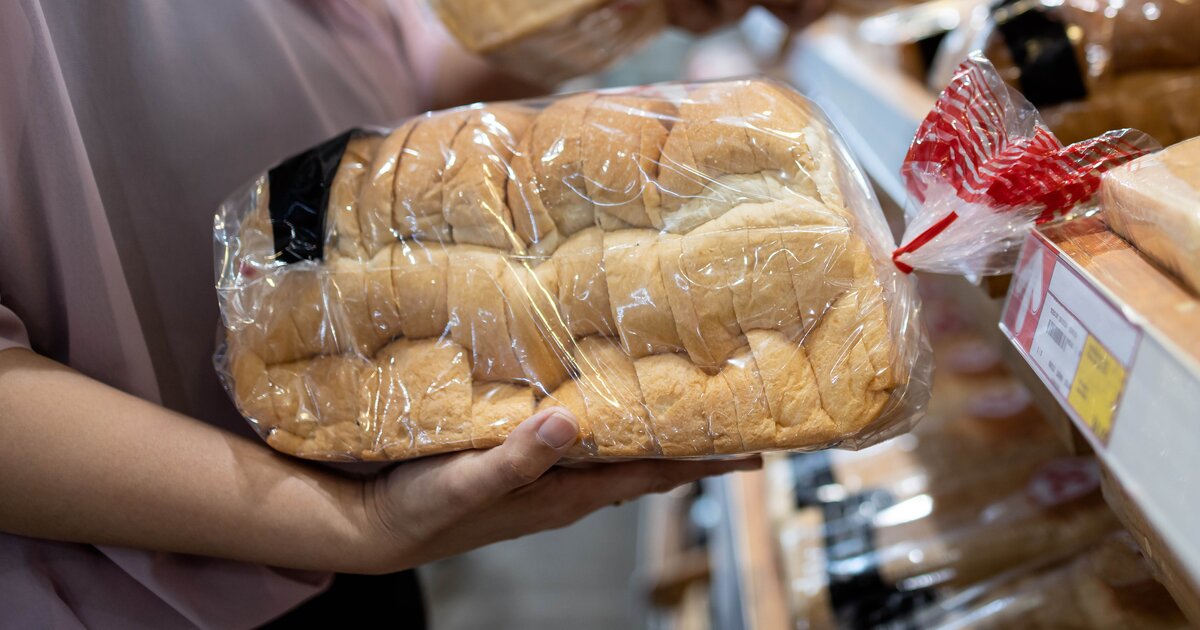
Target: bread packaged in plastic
1090	66
548	42
1154	202
984	169
1107	586
867	538
691	270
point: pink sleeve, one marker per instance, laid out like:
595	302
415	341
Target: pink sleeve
426	41
12	331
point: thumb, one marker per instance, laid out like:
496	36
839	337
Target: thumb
530	450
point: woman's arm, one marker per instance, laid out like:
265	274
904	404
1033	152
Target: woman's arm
82	462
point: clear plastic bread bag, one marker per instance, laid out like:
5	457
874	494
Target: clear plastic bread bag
547	42
872	556
1110	585
900	531
984	169
692	270
1090	65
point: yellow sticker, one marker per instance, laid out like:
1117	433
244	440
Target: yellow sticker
1096	387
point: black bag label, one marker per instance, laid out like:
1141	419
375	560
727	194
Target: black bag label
299	195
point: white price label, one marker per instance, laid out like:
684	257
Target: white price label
1057	345
1080	344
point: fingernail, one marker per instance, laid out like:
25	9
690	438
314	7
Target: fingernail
557	431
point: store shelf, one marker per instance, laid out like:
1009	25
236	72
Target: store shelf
1115	341
747	583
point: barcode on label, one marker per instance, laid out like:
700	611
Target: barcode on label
1055	345
1057	335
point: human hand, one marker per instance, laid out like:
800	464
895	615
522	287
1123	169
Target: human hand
700	16
441	506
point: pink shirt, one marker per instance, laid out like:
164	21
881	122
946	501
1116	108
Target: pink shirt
123	124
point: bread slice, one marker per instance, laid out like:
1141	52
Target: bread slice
532	222
678	286
435	375
497	409
317	392
841	362
389	405
475	197
264	322
331	385
772	303
289	397
622	143
583	286
754	420
383	305
479	313
1152	202
793	245
615	407
420	282
557	161
637	295
791	391
420	176
876	331
344	192
673	388
716	131
745	141
484	25
347	293
539	335
385	410
820	154
822	268
771	120
679	176
379	190
569	397
720	412
707	143
757	256
327	442
714	264
252	388
304	294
